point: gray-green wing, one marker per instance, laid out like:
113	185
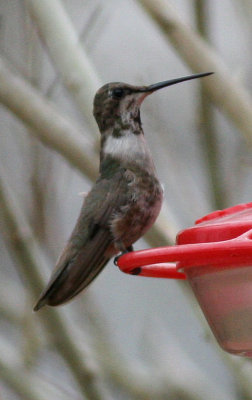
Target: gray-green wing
86	252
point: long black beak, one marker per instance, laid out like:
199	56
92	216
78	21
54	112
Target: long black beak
160	85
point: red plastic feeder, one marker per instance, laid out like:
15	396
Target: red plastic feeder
215	256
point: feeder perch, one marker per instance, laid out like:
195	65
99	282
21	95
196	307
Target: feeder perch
215	257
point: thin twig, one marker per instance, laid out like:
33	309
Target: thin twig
206	120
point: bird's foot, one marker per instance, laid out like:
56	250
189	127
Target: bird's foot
127	250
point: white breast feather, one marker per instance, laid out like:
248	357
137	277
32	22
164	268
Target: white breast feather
126	146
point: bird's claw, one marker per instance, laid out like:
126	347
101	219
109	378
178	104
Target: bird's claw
128	250
116	259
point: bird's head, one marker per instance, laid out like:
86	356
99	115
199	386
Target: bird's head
118	104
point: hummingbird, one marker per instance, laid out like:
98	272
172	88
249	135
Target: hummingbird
125	199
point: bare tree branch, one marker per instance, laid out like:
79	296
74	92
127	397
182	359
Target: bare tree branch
19	382
223	90
159	379
206	119
28	254
69	57
52	128
27	384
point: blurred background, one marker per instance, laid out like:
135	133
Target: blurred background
125	337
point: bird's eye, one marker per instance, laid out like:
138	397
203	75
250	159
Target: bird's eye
117	93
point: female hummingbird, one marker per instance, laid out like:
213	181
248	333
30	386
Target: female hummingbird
124	201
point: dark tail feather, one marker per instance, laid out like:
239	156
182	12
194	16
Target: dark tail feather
92	275
74	274
40	303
